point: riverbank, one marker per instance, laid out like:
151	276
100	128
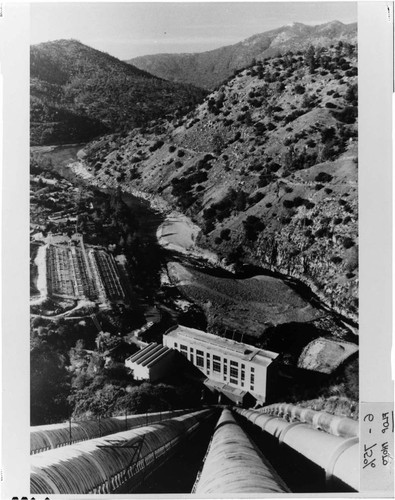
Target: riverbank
178	233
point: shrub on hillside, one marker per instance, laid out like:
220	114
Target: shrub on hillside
323	177
299	89
256	198
288	203
348	242
321	232
252	226
157	145
225	234
348	115
352	72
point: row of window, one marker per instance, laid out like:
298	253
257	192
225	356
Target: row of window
234	369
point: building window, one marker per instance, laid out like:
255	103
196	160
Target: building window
199	353
252	380
191	357
176	345
234	374
199	359
184	350
208	364
216	364
252	387
225	366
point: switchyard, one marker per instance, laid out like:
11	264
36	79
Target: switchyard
220	446
76	271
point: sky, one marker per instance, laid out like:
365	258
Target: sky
126	30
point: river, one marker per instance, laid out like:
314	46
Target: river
262	298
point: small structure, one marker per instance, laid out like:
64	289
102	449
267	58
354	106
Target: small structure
151	363
325	355
234	369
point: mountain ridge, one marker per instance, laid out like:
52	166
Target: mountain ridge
78	93
210	68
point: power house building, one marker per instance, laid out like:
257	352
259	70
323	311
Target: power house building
232	368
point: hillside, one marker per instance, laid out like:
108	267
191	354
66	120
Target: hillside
78	93
266	165
211	68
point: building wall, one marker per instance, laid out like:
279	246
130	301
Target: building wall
155	372
227	368
162	367
139	372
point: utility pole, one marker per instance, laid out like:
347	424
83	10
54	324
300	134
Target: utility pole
70	439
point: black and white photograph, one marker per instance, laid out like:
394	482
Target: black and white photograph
194	246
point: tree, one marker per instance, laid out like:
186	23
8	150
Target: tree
310	59
49	385
352	94
241	200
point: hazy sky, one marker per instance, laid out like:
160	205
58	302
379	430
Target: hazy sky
126	30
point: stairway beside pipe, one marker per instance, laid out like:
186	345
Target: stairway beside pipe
333	424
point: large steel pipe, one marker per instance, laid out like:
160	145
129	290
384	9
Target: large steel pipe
334	424
337	456
103	465
234	465
47	437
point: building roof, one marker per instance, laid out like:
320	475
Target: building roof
149	355
225	346
233	393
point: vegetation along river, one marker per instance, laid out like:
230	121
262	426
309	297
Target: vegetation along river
243	304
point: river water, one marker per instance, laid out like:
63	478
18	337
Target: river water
170	236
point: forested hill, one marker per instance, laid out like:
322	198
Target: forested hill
267	166
78	93
211	68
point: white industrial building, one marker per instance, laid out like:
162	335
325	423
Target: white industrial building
150	363
232	368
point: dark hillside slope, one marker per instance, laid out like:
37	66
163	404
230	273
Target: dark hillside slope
211	68
267	166
78	93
